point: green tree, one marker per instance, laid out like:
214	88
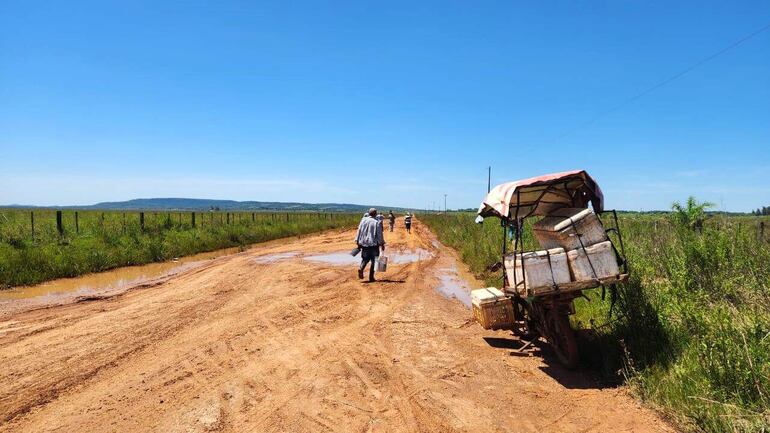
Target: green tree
691	214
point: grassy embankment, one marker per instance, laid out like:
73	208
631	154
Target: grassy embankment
105	240
690	332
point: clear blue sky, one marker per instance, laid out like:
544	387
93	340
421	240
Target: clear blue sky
381	102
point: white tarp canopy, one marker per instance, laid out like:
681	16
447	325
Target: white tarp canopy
542	194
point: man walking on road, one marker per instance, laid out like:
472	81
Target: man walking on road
391	220
370	239
408	222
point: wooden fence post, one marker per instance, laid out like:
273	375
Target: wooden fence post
124	223
141	220
228	218
59	225
77	223
192	219
32	223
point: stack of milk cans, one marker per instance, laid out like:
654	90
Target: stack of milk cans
575	249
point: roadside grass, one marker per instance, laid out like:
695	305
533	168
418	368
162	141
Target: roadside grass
690	332
106	240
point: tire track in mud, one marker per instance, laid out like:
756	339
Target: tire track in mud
286	345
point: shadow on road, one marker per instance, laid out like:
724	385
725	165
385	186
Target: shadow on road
581	378
504	343
570	379
385	281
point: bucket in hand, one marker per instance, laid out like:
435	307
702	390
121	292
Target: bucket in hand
382	264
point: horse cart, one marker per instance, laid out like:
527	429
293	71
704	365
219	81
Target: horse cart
577	252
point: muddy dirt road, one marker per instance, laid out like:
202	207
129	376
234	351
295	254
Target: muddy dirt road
270	340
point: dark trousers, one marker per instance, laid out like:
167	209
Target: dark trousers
409	228
369	254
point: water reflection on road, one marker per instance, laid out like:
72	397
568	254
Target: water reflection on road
343	258
113	279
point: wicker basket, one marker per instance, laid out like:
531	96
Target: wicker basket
492	309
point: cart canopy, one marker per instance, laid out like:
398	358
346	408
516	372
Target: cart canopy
542	194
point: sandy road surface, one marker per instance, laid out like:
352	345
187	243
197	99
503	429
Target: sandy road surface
245	344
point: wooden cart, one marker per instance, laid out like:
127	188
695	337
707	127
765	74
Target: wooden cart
547	314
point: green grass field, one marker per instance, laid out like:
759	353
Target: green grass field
98	241
690	332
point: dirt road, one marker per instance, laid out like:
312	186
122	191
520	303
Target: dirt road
271	341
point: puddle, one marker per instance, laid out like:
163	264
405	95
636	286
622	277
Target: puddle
452	286
114	279
395	258
338	259
409	256
277	257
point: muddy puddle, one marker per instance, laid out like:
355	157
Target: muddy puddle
452	286
344	258
117	278
277	257
409	256
337	259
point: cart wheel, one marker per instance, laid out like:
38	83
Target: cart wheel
519	308
563	340
525	327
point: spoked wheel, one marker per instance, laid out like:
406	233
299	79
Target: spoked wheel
562	339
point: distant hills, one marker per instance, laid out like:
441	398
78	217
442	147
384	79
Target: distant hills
224	205
202	204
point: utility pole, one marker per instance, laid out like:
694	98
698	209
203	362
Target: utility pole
444	204
489	179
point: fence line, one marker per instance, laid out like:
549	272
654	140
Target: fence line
48	223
